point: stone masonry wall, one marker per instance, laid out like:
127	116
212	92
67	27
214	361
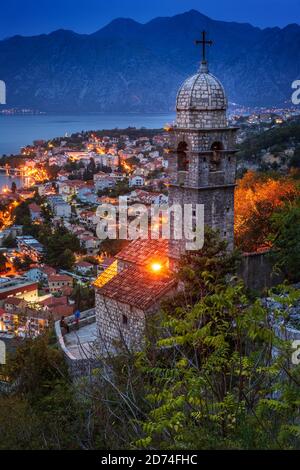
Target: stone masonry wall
256	270
111	326
218	211
206	119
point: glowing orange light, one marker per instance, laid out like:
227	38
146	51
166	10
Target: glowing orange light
156	267
100	150
126	166
168	127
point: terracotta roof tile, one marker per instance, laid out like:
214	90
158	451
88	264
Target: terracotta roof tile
141	252
138	287
50	301
13	301
48	270
59	277
34	207
84	264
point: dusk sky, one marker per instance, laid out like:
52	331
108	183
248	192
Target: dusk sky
85	16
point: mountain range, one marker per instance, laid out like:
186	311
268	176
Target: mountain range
127	66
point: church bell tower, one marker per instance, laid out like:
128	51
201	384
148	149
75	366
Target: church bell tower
202	156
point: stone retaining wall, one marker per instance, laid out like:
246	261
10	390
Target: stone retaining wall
77	367
256	270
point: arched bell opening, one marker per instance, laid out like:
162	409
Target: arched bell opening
216	149
182	157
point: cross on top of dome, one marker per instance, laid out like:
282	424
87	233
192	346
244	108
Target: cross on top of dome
204	42
201	100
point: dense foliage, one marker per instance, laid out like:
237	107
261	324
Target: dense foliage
276	140
40	412
207	377
60	247
285	239
258	198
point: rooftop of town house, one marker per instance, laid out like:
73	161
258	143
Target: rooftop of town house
57	311
30	241
83	264
34	207
84	237
14	301
48	270
51	300
59	278
73	183
16	285
87	213
66	290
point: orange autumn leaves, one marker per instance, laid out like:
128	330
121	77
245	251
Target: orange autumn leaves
257	197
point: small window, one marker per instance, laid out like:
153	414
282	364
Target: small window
125	320
229	159
228	209
225	233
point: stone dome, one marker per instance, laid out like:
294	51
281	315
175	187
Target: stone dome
201	101
201	92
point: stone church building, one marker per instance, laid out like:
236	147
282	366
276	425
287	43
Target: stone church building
202	165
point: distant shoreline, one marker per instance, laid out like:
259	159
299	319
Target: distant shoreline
17	131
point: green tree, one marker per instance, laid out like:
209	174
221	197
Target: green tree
60	247
10	241
2	262
84	297
111	247
66	259
295	160
22	214
208	377
41	413
213	381
286	240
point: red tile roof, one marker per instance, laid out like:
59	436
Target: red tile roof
59	310
48	270
138	287
50	301
84	264
141	252
34	207
13	301
59	277
67	290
